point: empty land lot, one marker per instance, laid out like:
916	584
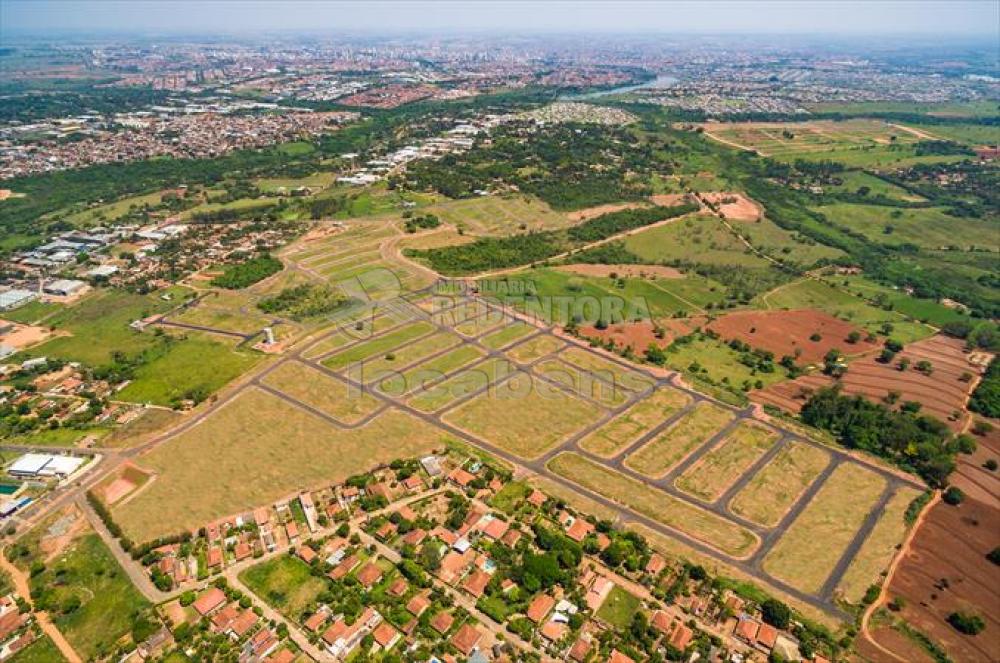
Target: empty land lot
779	484
613	437
325	393
806	554
259	448
665	450
656	504
530	420
718	469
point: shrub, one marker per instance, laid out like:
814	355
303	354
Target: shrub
967	623
953	496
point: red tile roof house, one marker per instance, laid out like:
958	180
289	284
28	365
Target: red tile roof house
385	635
580	649
214	557
345	567
306	554
466	638
655	565
209	600
369	574
461	477
681	637
766	636
476	583
242	624
441	622
618	657
540	607
579	529
315	621
747	629
418	604
262	643
341	639
223	618
495	529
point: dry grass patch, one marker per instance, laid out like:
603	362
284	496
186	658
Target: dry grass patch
779	483
808	551
481	325
430	371
327	394
507	335
376	368
656	457
718	469
255	450
378	346
681	553
611	438
621	376
460	385
538	347
878	549
656	505
524	416
583	383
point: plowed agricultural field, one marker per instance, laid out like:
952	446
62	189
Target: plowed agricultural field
785	332
952	544
640	335
941	392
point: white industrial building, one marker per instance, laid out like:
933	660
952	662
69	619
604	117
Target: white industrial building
64	287
44	465
14	298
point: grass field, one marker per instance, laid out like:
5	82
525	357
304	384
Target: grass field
807	552
98	325
786	246
622	377
108	601
33	312
42	650
376	367
538	347
507	335
791	139
665	450
618	608
698	239
655	504
583	383
775	488
714	359
611	438
500	215
927	227
57	437
525	419
879	548
809	293
425	373
318	390
194	367
232	311
718	469
852	180
378	346
459	385
259	448
926	310
286	583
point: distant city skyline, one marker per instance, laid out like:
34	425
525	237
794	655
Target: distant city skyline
908	17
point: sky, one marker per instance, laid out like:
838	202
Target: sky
928	17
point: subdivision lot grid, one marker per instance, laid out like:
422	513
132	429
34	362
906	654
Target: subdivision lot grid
657	453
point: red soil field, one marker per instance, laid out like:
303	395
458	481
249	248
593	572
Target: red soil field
952	544
784	332
941	393
640	334
738	207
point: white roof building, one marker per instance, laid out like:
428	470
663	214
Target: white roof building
44	465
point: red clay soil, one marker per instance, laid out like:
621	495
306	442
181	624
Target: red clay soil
784	332
895	642
941	393
952	544
640	335
734	206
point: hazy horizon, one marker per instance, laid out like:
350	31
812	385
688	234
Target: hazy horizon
930	18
